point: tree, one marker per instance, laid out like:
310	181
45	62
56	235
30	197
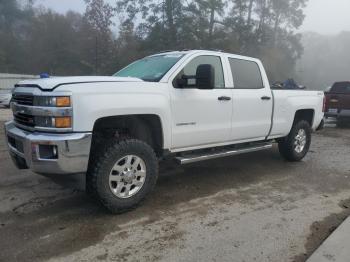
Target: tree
161	23
34	40
54	45
13	19
286	14
206	15
99	16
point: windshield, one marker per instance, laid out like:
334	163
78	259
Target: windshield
151	68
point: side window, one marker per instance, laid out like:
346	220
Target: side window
191	68
246	74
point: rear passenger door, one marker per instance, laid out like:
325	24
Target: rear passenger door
252	101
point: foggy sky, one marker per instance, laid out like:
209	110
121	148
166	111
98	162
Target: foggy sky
322	16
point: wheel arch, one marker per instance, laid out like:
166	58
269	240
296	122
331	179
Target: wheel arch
304	114
145	127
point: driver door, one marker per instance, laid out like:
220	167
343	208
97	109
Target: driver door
201	117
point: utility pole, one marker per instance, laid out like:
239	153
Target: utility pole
163	22
96	56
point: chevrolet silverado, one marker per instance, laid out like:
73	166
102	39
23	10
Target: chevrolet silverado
186	105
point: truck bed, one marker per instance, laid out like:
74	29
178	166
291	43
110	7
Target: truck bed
285	100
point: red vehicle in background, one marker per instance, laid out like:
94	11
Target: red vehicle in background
338	103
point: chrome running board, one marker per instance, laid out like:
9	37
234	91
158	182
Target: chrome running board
201	156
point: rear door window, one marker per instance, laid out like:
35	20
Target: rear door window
246	74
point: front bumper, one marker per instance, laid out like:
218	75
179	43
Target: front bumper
73	150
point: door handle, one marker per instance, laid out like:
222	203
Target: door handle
224	98
266	98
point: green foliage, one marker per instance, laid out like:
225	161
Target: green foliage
33	40
260	28
13	21
99	15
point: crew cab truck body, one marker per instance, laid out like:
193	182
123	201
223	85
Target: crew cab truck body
338	103
190	106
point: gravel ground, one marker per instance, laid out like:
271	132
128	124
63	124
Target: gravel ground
253	207
5	114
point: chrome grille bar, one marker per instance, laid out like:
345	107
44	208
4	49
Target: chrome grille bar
23	99
24	119
41	111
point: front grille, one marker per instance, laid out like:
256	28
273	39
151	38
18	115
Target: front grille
27	100
22	118
25	120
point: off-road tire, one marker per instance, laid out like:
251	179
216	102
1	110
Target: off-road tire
287	147
97	177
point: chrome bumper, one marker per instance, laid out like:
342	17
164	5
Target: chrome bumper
73	150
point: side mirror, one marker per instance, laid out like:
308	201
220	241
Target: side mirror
205	77
182	82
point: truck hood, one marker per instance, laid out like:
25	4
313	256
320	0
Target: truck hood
52	83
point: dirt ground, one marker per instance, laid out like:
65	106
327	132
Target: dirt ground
5	114
254	207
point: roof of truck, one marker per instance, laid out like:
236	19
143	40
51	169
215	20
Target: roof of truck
187	51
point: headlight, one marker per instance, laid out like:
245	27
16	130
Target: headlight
58	121
63	101
53	101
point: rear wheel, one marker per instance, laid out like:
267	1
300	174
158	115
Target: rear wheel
124	175
296	145
341	123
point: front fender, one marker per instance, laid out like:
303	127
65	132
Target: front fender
111	100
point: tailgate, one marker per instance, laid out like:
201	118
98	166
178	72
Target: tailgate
338	98
337	101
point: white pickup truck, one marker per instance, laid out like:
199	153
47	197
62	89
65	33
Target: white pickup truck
187	105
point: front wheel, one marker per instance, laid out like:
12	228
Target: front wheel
296	145
123	175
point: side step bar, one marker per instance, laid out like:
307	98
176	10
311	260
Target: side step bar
201	156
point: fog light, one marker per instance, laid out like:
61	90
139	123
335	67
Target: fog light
48	152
